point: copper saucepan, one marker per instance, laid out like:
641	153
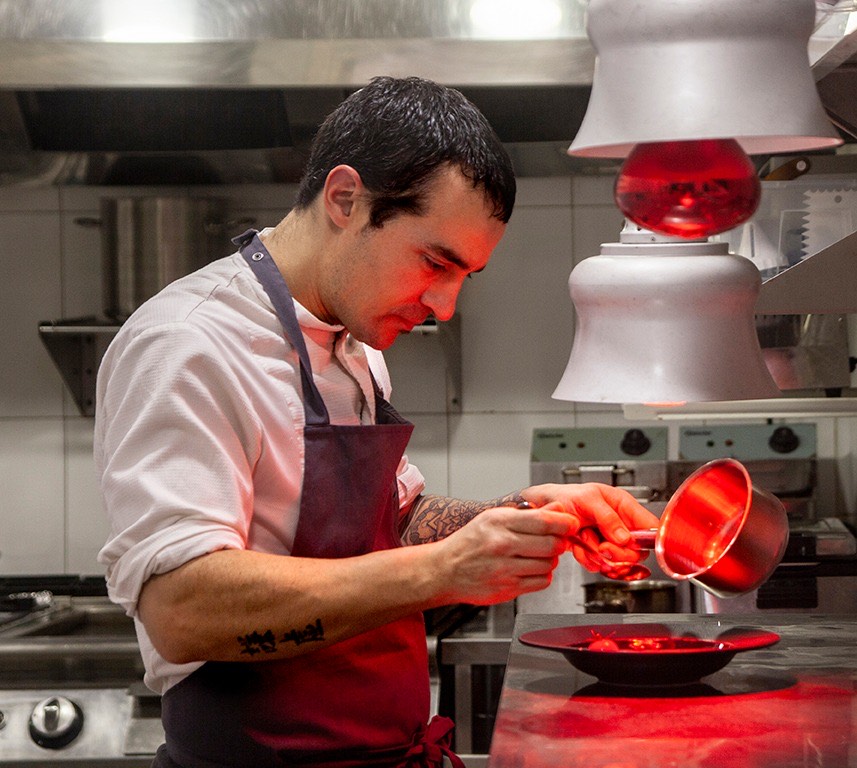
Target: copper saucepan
718	531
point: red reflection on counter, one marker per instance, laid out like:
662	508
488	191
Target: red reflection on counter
766	729
689	189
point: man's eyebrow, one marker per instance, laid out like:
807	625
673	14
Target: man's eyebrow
452	256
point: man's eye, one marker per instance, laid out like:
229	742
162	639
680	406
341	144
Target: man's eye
434	265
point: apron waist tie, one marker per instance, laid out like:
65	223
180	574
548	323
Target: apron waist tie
432	743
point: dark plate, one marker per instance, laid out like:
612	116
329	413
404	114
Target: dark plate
647	654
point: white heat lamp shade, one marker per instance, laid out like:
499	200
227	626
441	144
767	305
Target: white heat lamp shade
682	70
665	323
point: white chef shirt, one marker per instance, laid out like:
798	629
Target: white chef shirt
199	429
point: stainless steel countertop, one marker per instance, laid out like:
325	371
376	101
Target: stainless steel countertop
791	704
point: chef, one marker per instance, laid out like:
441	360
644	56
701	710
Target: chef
269	536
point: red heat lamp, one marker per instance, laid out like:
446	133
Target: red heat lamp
685	94
689	189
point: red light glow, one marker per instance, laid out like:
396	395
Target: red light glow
728	728
690	189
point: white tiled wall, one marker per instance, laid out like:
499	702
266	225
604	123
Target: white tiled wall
50	514
516	329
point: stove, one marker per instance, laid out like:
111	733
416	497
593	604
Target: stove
71	684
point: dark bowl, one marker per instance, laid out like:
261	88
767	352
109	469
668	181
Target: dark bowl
647	654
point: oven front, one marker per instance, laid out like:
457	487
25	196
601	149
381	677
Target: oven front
71	684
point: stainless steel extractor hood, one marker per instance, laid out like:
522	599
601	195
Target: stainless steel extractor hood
85	84
114	78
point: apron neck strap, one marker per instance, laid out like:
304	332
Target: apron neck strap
262	263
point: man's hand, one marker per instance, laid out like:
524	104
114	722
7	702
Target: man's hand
504	552
603	516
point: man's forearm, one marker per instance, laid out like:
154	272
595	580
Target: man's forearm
432	518
234	605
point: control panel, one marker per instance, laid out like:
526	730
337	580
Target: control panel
747	442
595	444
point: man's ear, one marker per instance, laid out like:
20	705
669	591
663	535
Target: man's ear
342	189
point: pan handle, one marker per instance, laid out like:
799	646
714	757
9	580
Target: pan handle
645	538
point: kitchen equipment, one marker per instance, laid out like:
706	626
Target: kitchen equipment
791	169
73	661
817	575
721	532
819	568
733	69
632	458
660	318
717	530
646	596
647	654
147	242
71	690
25	601
830	213
530	71
662	321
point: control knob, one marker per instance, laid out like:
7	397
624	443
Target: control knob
55	722
635	442
783	440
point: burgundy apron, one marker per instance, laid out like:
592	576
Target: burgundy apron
363	701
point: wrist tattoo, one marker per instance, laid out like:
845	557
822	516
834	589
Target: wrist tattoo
435	517
256	642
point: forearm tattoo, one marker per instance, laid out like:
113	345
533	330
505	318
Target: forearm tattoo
435	517
266	641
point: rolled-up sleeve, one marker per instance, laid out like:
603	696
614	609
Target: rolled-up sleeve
175	445
411	482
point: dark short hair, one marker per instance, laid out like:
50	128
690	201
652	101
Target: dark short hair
396	133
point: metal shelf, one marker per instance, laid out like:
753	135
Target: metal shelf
77	347
449	337
774	408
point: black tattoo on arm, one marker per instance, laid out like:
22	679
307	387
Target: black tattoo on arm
266	642
257	642
435	517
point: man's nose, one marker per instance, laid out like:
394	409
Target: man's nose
441	297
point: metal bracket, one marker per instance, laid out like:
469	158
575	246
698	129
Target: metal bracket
77	347
449	336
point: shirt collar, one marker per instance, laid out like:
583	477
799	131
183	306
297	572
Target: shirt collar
308	320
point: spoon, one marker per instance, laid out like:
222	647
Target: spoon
618	569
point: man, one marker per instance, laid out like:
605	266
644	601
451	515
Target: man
255	475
